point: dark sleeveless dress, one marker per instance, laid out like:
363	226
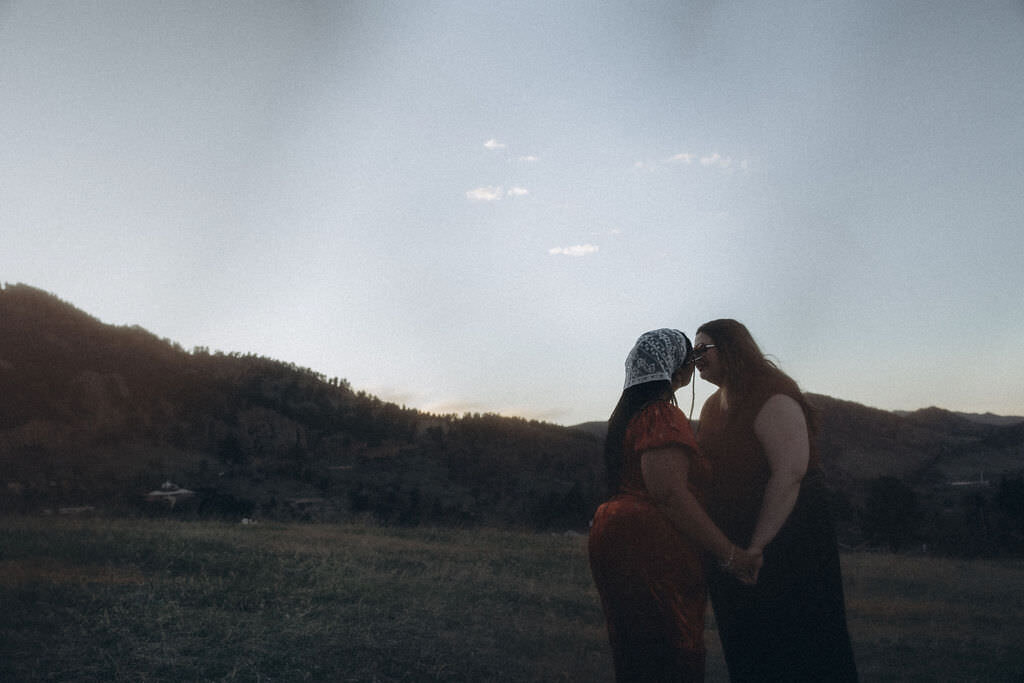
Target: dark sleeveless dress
791	626
649	576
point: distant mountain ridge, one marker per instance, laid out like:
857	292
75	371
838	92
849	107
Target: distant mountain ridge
599	428
989	418
857	442
95	415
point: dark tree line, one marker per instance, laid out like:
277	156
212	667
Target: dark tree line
96	414
977	520
93	414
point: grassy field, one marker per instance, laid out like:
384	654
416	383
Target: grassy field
113	600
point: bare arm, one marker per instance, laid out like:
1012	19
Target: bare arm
665	471
781	428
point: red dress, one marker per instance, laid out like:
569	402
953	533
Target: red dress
650	577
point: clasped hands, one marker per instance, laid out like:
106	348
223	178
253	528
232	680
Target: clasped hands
744	565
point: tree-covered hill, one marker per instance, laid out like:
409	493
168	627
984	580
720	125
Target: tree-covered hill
94	415
97	415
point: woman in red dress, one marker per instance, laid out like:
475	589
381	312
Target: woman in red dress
647	541
767	493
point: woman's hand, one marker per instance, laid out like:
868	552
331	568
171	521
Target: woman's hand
745	565
664	471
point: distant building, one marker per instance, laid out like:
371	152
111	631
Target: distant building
169	493
980	481
76	510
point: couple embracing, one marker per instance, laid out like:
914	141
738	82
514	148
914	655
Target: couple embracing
740	511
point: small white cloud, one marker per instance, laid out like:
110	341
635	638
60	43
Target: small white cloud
494	144
530	158
713	160
517	192
716	160
485	194
576	250
647	166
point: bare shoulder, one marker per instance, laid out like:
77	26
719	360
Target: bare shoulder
780	412
780	404
782	430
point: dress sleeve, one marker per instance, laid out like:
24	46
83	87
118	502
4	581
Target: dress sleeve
660	425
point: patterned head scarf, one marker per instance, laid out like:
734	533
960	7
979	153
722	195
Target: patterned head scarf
656	356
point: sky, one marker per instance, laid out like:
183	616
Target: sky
478	207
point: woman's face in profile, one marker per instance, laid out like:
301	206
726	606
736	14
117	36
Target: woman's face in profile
682	376
708	360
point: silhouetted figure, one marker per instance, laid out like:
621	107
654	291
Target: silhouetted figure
767	493
646	541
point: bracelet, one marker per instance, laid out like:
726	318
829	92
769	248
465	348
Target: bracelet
732	556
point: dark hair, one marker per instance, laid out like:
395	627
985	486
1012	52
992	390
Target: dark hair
746	369
632	401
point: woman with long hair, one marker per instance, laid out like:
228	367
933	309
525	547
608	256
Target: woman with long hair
766	492
647	541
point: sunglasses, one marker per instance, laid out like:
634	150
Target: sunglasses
700	349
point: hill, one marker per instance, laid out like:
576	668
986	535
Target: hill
95	415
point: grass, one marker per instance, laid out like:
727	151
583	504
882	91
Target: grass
120	600
935	619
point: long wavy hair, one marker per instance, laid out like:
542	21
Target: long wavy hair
745	367
632	401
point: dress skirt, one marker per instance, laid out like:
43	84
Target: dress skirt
791	625
652	589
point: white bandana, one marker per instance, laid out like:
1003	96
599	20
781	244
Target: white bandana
656	356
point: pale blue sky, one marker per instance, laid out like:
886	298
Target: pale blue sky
461	206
